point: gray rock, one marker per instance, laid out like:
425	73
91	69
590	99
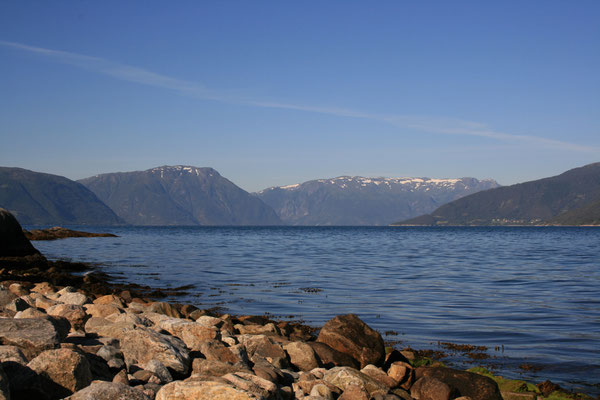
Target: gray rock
159	370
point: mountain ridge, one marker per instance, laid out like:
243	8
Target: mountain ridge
179	195
538	202
357	200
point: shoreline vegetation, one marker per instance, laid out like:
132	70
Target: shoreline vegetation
67	329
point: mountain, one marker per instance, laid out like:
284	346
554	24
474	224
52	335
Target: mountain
35	198
365	201
179	195
564	199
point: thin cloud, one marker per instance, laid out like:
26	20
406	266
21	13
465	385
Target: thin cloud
438	125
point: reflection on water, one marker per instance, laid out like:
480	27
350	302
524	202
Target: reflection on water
531	295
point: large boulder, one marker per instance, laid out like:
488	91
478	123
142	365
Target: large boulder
31	335
61	372
141	346
99	390
330	358
194	389
428	388
463	383
348	334
13	242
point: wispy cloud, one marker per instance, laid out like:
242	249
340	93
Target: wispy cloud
429	124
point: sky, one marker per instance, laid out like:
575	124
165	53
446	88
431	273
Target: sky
275	93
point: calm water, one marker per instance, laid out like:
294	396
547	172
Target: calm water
531	295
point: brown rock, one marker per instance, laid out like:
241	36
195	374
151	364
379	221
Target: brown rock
12	354
268	329
30	313
13	242
121	377
547	387
330	358
75	298
428	388
44	288
32	336
403	373
215	367
463	383
74	313
61	372
17	305
216	350
302	356
262	347
102	310
167	309
349	335
191	333
18	289
354	392
252	383
99	390
110	299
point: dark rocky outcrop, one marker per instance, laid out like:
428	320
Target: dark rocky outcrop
58	232
13	242
463	383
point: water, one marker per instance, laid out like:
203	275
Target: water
531	295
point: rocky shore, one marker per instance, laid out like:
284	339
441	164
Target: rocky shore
78	337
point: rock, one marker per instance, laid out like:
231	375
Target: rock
344	377
74	313
403	373
141	346
349	335
45	303
263	347
332	358
191	333
321	391
207	320
99	390
547	387
58	232
102	310
192	389
17	304
30	313
355	392
110	299
75	298
167	309
112	355
265	370
302	356
159	370
379	376
31	335
268	329
253	384
6	296
18	289
103	327
427	388
216	350
463	383
215	367
121	377
12	353
44	288
13	242
4	386
61	372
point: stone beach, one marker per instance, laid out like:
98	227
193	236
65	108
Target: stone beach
64	335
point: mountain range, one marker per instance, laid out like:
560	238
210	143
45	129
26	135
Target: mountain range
36	198
571	198
179	195
356	200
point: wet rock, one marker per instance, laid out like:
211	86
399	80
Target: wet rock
61	372
379	375
330	358
74	313
344	377
141	346
192	389
302	356
99	390
13	242
31	335
463	383
349	335
428	388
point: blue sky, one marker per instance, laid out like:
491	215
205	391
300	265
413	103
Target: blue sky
274	92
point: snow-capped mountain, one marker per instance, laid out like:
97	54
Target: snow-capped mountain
356	200
179	195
